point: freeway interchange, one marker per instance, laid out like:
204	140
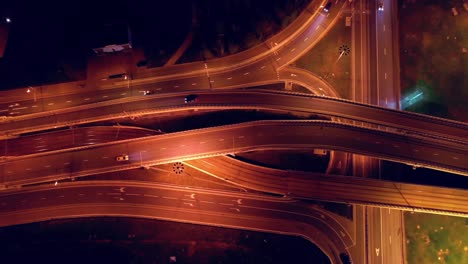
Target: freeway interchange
383	133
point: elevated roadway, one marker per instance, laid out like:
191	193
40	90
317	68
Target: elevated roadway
248	99
259	135
334	188
175	203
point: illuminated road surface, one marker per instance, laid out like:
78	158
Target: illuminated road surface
174	203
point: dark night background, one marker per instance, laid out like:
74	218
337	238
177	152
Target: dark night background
49	42
47	37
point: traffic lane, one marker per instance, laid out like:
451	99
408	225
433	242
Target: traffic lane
70	138
196	69
343	189
231	139
392	238
387	96
374	235
297	102
221	203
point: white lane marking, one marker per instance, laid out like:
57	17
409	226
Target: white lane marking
105	96
170	198
385	51
208	163
47	166
263	67
229	78
61	196
189	204
104	157
221	139
43	198
192	196
162	148
385	76
293	49
193	84
87	99
28	169
176	86
85	160
81	194
34	106
132	194
246	73
384	27
306	39
208	202
50	104
227	204
436	154
202	142
69	101
278	59
455	158
123	94
19	108
149	195
113	193
235	209
240	137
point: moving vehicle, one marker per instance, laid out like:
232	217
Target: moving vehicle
148	92
380	6
122	157
345	259
326	8
191	98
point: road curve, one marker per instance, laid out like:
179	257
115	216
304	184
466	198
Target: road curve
334	188
250	99
175	203
216	141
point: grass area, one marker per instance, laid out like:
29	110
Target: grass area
323	59
436	239
228	27
433	57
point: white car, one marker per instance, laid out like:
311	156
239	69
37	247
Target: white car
380	6
123	157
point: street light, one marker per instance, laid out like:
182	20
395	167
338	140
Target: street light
8	20
34	92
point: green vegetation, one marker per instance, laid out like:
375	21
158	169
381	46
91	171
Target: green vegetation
436	239
227	27
433	51
324	59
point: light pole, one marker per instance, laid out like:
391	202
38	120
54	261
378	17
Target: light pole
30	88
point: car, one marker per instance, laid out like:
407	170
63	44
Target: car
345	259
191	98
122	157
326	8
380	6
148	92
